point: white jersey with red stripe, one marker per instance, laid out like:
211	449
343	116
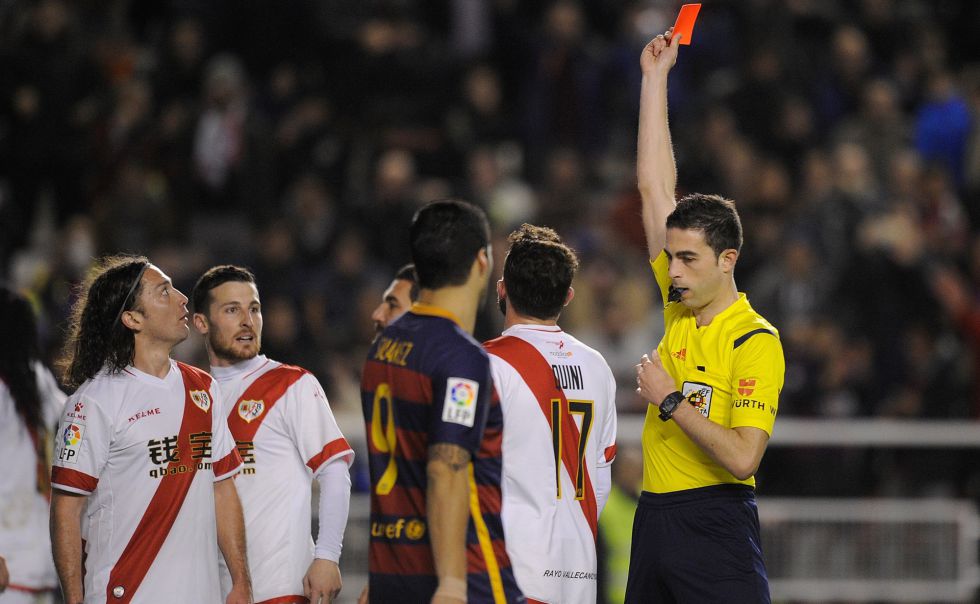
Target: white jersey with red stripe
558	400
285	430
25	543
147	452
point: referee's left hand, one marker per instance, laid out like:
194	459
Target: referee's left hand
652	380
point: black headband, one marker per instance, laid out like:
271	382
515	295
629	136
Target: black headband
132	288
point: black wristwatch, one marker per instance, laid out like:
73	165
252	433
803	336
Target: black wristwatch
671	401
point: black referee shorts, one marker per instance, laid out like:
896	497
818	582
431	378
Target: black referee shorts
697	547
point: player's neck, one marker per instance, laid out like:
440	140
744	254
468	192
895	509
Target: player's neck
513	318
725	298
152	360
460	300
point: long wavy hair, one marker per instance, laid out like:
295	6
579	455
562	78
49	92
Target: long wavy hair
97	337
19	352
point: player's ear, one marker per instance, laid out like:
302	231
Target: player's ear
201	323
501	289
569	296
483	260
132	320
727	260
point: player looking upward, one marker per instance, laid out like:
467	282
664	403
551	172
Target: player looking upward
143	453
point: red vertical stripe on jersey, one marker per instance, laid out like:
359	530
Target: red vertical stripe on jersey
267	389
157	520
539	377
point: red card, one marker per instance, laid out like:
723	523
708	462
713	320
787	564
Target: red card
685	22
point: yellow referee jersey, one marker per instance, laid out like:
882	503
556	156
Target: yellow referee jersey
732	369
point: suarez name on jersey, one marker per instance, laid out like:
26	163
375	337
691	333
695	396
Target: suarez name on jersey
426	381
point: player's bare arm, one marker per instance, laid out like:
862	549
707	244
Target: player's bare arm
4	575
66	542
656	172
447	497
739	450
231	540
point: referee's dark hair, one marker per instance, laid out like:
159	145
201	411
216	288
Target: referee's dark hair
212	278
712	214
538	271
445	238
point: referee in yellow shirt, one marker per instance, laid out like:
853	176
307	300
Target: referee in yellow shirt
713	382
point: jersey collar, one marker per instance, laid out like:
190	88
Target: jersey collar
153	380
742	303
531	327
239	369
434	311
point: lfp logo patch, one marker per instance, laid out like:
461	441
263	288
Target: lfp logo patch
459	406
71	439
72	435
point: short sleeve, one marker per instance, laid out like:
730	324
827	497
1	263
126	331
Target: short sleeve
757	374
81	446
225	460
312	425
461	390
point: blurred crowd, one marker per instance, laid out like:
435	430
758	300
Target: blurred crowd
298	137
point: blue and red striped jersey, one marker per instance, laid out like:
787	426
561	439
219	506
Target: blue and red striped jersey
427	381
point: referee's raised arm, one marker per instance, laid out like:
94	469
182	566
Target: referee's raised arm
656	173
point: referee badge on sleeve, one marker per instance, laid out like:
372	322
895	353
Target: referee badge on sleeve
460	404
699	395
